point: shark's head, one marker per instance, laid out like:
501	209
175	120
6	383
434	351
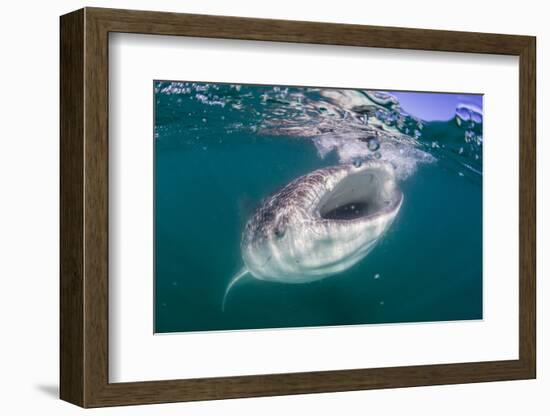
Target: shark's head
321	223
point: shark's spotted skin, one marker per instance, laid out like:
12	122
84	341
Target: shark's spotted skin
289	206
305	231
320	224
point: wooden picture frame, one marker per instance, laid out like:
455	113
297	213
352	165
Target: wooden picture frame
84	207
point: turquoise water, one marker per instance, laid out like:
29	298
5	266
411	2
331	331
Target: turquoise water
221	149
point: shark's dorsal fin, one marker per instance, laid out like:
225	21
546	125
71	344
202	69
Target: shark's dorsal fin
242	273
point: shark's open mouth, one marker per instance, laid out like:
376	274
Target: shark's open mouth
365	193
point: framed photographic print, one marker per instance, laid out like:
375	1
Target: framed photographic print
260	207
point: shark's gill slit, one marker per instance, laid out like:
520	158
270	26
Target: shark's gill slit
320	224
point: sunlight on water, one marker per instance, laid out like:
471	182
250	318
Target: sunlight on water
355	124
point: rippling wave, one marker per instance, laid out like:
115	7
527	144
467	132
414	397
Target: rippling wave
354	124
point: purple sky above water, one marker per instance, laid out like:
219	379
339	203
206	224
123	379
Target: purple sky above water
434	106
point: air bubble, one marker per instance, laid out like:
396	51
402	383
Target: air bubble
372	143
476	117
357	163
377	155
463	113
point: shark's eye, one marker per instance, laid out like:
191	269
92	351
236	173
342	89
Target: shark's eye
279	231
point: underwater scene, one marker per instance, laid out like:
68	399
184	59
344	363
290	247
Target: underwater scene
288	206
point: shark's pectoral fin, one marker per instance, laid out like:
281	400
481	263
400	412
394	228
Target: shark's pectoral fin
242	273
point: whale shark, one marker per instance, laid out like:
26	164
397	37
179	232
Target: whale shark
320	224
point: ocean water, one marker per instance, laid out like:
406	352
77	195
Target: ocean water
220	149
